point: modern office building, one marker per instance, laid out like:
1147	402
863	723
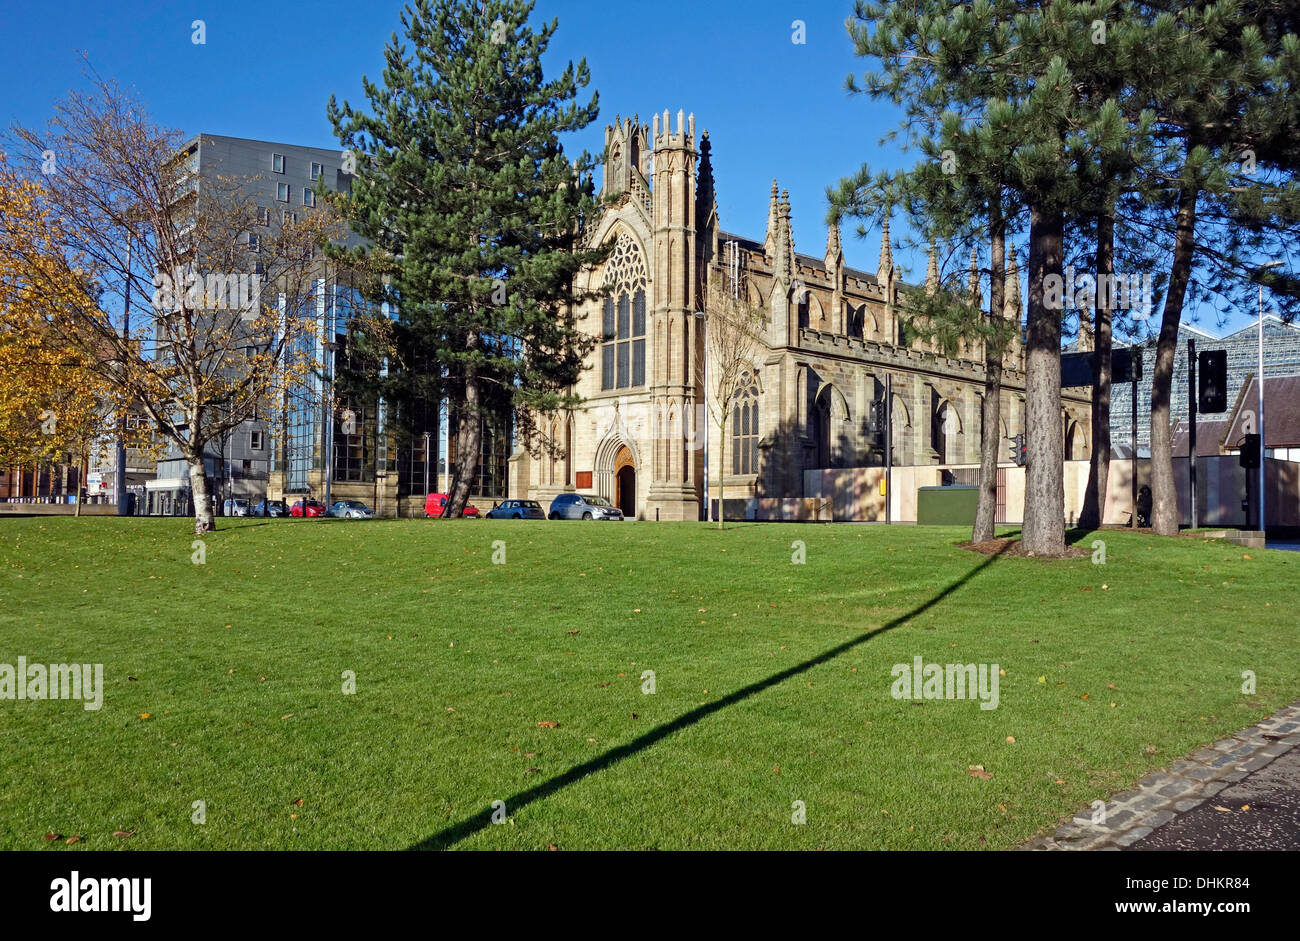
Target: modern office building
327	447
1281	358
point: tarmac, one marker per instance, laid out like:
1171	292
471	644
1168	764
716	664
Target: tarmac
1241	793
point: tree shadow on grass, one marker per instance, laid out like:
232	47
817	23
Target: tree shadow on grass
450	836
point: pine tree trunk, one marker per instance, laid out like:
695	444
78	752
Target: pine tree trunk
1164	495
1043	532
986	512
1094	500
203	522
469	435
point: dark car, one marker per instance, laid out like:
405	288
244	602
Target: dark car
517	510
312	508
271	508
581	506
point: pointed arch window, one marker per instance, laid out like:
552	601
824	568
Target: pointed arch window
622	351
744	430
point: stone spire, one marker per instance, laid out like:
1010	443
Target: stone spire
932	269
706	202
885	270
834	251
973	279
1011	295
773	211
783	265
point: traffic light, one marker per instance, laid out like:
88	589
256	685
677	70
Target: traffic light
1212	382
1249	455
1018	450
876	420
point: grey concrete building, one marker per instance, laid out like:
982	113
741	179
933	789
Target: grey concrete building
1281	358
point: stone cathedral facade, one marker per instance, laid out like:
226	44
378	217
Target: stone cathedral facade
832	337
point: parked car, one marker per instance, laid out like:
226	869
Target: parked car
350	510
271	508
517	510
236	506
312	509
436	505
582	506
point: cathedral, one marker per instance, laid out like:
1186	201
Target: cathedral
643	437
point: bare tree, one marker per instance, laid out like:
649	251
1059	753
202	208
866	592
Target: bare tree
733	329
222	331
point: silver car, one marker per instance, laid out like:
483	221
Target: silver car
581	506
350	510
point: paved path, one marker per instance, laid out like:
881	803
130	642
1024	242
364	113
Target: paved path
1239	793
1259	812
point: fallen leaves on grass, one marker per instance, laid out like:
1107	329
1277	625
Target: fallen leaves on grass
977	771
549	724
72	839
125	834
51	837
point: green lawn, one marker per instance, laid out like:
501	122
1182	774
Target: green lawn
773	682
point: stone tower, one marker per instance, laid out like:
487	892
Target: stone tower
628	151
676	386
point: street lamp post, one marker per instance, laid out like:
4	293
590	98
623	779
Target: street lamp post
1259	388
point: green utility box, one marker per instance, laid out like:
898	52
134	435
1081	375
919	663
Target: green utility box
946	506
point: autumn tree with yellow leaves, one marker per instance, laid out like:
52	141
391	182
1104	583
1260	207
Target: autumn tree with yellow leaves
53	407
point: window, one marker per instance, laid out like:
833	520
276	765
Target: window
744	429
317	171
263	216
308	197
277	163
354	453
255	441
254	243
622	354
282	192
289	218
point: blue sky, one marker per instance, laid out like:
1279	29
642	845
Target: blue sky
773	108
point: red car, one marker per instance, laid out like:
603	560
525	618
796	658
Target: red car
435	504
313	509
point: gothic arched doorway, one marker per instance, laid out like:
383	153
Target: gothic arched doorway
625	482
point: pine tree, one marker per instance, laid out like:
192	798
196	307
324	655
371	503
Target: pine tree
1219	74
996	78
464	187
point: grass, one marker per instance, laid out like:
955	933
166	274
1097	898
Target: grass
772	682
